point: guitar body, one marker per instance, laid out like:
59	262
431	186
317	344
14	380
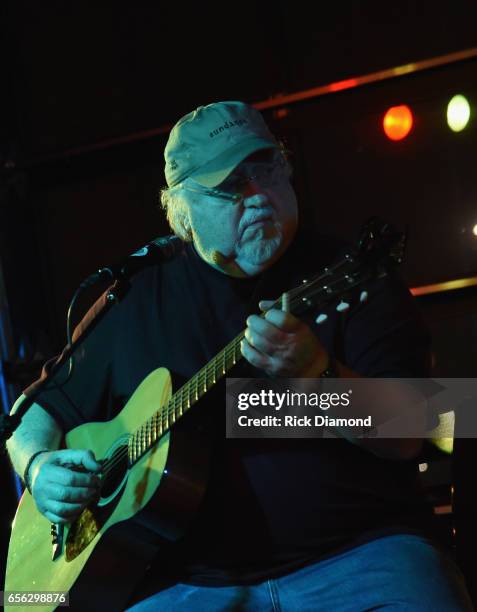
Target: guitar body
107	549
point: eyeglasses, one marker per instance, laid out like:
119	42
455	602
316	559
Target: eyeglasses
266	174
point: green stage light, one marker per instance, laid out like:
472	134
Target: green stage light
458	113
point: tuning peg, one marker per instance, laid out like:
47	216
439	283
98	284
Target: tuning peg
321	318
363	296
342	306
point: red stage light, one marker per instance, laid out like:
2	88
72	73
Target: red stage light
397	122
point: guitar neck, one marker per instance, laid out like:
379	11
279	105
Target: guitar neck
182	401
379	247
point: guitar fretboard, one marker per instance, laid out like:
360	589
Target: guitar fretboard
371	260
161	421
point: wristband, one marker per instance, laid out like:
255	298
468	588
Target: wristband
26	476
331	371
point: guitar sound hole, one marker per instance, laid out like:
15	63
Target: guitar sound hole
114	471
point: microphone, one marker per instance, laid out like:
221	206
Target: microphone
154	251
228	264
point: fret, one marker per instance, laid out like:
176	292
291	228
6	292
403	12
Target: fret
130	449
135	446
209	375
181	412
138	445
154	427
217	369
164	420
143	439
159	422
238	351
181	400
229	361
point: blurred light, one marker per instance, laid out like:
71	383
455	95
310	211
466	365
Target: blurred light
458	113
281	113
446	445
474	230
346	84
423	467
447	286
397	122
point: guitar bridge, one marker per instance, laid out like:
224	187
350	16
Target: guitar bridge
57	539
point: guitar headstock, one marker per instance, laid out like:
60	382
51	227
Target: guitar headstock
379	248
382	242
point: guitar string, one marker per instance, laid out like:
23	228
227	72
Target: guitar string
119	457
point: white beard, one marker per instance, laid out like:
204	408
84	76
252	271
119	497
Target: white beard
260	244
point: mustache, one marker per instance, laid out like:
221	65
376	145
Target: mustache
254	217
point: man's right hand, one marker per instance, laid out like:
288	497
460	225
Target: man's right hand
63	482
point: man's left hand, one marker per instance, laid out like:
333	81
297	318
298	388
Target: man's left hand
283	346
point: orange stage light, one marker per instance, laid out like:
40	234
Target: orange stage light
397	122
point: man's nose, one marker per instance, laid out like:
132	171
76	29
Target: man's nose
254	196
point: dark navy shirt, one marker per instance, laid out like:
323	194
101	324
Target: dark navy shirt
271	505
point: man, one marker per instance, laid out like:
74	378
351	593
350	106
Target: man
336	524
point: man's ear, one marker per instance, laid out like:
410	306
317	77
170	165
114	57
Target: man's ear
187	224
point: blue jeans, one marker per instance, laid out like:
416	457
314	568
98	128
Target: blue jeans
398	572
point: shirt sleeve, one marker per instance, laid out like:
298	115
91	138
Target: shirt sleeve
386	335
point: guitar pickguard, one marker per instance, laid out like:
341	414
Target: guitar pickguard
81	533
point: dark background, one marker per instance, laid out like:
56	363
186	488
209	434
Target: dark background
89	91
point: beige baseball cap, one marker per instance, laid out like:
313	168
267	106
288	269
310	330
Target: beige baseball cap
208	143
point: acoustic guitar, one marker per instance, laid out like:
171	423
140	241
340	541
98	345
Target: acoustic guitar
154	475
